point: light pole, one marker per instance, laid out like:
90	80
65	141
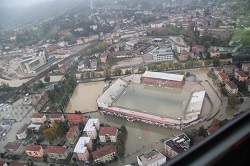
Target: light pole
180	119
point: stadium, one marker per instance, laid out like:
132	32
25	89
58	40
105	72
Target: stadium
162	99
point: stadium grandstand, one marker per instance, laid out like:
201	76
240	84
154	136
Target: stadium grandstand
163	79
112	93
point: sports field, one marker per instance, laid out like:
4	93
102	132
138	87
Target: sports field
163	101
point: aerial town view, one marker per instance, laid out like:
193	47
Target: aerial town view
124	82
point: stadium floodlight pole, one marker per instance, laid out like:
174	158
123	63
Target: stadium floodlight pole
180	123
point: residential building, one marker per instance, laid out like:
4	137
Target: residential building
104	154
34	150
73	134
57	152
157	24
38	118
85	141
56	117
21	133
186	55
240	76
104	58
81	148
218	70
14	148
75	119
31	63
214	126
163	54
231	87
230	69
3	163
151	158
246	67
223	78
108	134
17	164
91	128
176	145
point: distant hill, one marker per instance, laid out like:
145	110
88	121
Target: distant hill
26	16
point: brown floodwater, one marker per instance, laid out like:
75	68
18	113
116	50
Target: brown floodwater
141	137
84	97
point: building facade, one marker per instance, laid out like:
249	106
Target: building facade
57	152
56	117
104	155
34	150
21	133
240	76
38	118
231	87
151	158
163	54
108	134
176	145
81	148
91	128
75	119
14	148
73	135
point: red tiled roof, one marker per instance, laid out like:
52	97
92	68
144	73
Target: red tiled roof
241	73
2	163
12	145
33	147
55	115
37	115
72	131
246	64
22	129
212	129
218	68
17	164
108	130
231	66
76	117
232	85
56	149
103	152
223	76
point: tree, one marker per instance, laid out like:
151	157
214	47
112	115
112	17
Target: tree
233	101
188	74
216	61
207	44
127	72
142	69
123	129
47	78
52	132
202	131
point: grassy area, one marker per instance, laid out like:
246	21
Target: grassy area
242	34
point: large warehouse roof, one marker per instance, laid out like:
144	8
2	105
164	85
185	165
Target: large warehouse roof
164	76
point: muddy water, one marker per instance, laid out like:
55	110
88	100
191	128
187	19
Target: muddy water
84	97
141	137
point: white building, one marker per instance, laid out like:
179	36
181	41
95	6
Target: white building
21	133
108	134
81	148
163	54
231	87
91	128
151	158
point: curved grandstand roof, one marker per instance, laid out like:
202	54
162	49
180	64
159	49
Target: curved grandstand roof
163	76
